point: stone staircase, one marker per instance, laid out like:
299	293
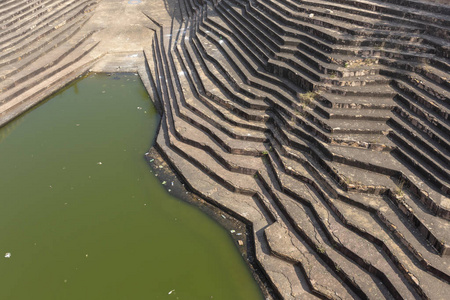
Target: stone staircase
41	50
324	126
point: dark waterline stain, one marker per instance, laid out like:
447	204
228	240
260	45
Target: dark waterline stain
84	218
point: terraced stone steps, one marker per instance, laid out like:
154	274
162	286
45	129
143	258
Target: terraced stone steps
350	180
14	75
42	48
339	241
291	168
185	148
40	20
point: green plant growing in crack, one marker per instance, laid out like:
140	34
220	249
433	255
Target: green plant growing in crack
399	189
307	98
337	267
264	152
320	249
306	102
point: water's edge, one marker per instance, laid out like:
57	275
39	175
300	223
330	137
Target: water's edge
228	220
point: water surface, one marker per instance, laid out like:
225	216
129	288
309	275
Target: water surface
83	216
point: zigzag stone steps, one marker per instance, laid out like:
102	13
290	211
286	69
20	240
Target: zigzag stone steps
213	162
359	27
223	91
212	105
333	100
383	207
318	123
209	112
321	193
421	139
374	188
248	66
301	67
202	111
258	80
382	162
352	246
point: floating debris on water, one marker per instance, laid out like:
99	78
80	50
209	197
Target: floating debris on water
139	107
171	292
164	182
99	163
7	255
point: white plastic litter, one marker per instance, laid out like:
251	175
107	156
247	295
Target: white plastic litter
311	15
8	255
171	292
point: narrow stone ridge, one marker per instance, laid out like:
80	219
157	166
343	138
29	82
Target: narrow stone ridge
323	125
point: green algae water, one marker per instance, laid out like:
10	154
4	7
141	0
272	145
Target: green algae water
83	217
